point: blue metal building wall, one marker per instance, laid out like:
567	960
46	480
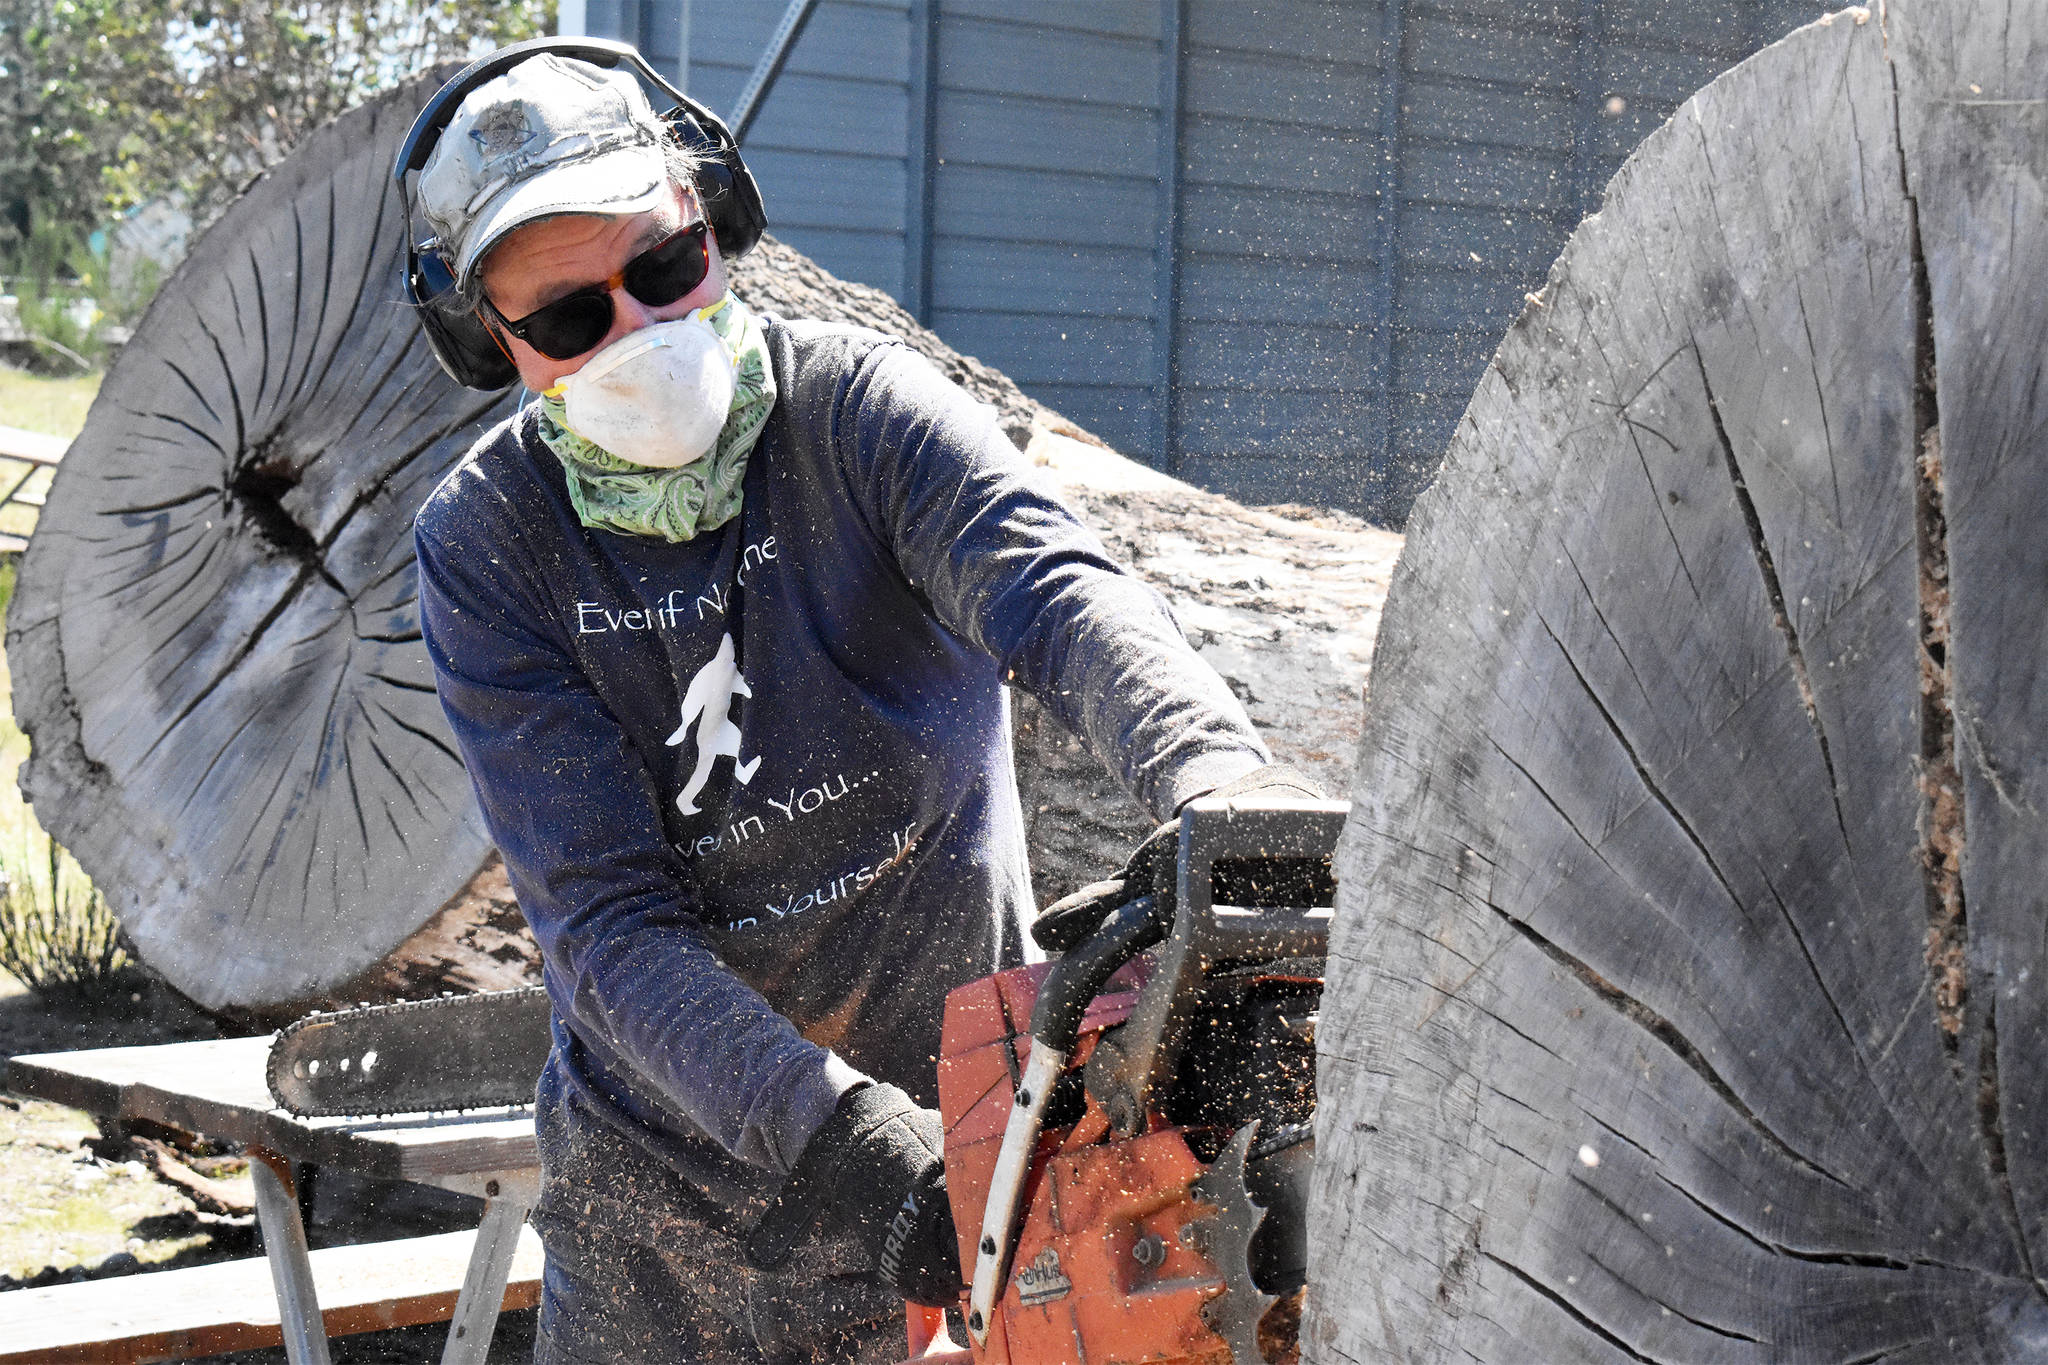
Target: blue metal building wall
1045	218
1266	244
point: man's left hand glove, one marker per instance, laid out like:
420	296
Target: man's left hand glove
876	1166
1068	922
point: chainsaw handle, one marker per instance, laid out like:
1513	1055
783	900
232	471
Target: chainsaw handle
1078	977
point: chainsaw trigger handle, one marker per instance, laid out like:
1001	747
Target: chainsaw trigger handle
1077	978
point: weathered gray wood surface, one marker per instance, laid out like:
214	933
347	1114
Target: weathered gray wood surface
216	1088
1659	1027
214	645
205	1310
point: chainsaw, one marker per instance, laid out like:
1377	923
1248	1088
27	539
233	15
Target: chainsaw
1128	1128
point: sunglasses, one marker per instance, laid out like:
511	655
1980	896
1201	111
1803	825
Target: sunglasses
657	277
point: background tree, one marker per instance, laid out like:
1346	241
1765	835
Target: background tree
91	107
105	104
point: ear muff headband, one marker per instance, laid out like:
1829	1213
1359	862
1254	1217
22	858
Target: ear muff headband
459	339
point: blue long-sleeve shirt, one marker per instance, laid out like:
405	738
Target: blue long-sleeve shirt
754	790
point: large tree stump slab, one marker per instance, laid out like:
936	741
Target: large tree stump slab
215	649
1686	992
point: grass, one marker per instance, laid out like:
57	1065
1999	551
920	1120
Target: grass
64	1209
55	407
45	900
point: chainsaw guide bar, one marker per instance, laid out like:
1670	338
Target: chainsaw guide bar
457	1052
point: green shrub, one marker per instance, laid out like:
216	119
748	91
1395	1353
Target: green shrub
57	933
52	272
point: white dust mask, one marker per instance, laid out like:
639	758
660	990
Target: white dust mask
655	397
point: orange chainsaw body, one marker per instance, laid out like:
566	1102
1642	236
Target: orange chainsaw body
1105	1269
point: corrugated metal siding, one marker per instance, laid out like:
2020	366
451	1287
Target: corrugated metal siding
1044	197
1266	243
828	147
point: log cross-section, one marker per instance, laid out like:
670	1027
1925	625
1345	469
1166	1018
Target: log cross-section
1686	998
214	641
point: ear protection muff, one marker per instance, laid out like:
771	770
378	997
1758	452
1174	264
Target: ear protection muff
458	337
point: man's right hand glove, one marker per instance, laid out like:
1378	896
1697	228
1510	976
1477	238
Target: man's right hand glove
876	1169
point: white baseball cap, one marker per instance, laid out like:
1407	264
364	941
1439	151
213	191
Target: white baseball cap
551	136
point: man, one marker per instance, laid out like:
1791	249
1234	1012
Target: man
722	623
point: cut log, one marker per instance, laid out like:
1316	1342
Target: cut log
216	648
1685	991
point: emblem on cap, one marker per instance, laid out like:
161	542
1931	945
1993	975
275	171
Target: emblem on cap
503	130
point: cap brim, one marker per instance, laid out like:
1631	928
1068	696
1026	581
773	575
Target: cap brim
621	181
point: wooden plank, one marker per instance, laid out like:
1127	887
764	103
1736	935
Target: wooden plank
870	258
1242	421
1247	226
217	1088
229	1306
1513	243
1270	88
1491	115
1726	32
33	446
1632	1049
1318	31
1022	277
1122	18
1441	352
1121	414
1522	56
998	203
831	189
1034	347
840	39
1658	75
1280	157
1299	359
1511	178
860	115
1332	481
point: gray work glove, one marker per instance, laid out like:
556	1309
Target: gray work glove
1069	921
876	1169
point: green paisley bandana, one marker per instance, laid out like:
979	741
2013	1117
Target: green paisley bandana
611	494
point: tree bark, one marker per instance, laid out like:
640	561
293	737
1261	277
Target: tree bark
1684	995
215	638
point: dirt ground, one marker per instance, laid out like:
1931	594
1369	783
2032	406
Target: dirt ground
77	1203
